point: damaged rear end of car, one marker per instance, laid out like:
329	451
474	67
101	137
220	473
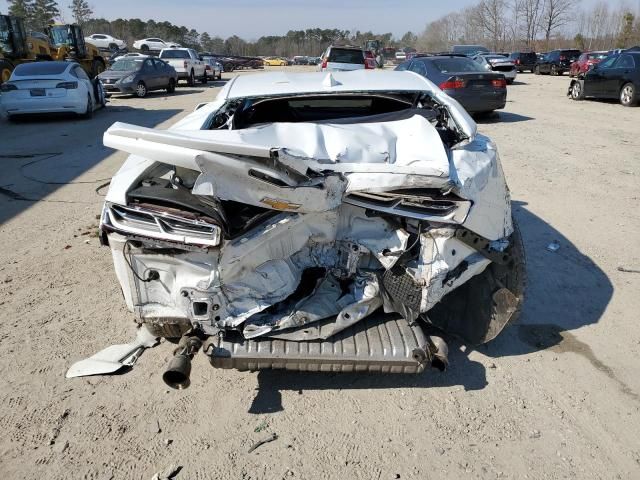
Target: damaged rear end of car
316	222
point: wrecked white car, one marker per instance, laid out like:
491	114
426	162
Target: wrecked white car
319	222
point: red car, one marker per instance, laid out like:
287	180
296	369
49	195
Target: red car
586	61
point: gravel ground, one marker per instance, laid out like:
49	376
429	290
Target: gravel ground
556	396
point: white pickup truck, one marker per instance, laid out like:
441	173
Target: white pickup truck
187	63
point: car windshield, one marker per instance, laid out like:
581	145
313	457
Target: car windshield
127	64
459	64
174	54
494	57
346	55
59	35
40	68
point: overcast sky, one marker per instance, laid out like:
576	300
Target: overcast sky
251	19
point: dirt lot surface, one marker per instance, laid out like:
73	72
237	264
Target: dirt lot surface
556	396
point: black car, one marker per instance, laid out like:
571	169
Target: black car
556	62
524	60
463	79
617	76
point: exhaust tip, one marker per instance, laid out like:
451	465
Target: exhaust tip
177	374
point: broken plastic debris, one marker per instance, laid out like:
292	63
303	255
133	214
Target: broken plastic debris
113	358
553	246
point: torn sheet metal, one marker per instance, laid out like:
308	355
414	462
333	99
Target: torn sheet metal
318	223
113	358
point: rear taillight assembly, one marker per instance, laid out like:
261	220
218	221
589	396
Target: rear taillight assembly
67	85
517	61
452	85
7	87
562	57
369	63
207	68
499	83
324	63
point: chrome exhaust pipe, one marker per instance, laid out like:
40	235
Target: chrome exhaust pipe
177	374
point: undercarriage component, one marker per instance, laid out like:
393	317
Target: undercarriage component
379	343
179	369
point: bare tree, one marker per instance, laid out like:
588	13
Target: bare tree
491	18
557	14
531	13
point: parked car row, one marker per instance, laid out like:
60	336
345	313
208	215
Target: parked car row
615	77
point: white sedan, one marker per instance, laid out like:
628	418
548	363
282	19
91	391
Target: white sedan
153	44
50	87
106	42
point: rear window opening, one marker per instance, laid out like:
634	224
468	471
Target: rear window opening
316	108
174	54
346	55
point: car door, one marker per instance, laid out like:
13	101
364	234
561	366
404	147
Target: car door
594	80
148	74
197	63
613	77
162	73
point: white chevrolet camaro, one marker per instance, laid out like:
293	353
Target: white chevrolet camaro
50	87
316	222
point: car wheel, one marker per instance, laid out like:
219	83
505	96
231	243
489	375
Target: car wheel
204	78
172	86
141	90
191	81
554	70
220	75
472	311
144	48
89	110
577	92
5	70
97	67
113	47
536	71
628	95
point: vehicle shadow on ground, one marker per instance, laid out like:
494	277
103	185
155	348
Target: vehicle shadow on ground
500	117
58	150
566	290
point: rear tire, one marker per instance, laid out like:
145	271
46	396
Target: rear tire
536	71
145	48
628	95
141	90
204	78
113	47
469	312
554	70
172	86
191	80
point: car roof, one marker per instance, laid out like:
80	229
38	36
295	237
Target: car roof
283	83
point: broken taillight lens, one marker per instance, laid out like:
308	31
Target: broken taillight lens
324	63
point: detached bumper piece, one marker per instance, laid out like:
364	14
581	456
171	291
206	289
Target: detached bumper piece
379	343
